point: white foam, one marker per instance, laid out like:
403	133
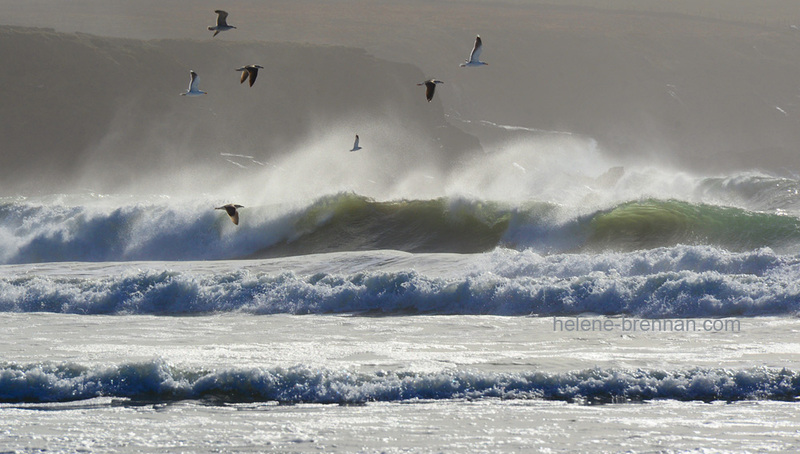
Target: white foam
670	282
159	380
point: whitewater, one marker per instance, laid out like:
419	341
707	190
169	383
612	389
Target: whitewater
519	301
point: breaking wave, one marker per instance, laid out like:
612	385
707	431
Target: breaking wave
683	281
160	382
33	233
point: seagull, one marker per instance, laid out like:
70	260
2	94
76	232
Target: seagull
222	22
231	210
476	52
251	71
430	86
193	90
355	145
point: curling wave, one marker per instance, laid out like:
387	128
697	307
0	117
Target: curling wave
655	223
31	233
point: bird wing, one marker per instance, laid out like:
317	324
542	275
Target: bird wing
245	73
253	74
430	86
476	50
231	210
355	145
222	18
193	82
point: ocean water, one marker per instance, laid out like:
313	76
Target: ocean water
625	308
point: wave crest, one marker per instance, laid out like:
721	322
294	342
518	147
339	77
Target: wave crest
662	283
655	223
349	222
157	380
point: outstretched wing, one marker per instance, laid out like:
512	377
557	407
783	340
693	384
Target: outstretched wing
476	50
245	73
429	89
222	18
253	74
193	82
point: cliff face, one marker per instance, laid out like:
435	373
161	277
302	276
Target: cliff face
69	102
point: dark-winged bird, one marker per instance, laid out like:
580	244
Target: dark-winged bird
430	86
251	72
231	210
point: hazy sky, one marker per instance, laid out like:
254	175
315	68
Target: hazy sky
328	20
711	78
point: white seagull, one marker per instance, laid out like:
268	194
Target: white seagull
355	145
475	54
193	90
222	22
250	71
231	210
430	86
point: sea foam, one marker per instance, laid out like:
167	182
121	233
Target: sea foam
158	380
682	281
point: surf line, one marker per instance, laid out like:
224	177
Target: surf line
625	324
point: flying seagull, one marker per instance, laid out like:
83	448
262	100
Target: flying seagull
222	22
476	52
250	71
193	90
355	145
231	210
430	86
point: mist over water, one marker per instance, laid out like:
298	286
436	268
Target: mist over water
551	193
